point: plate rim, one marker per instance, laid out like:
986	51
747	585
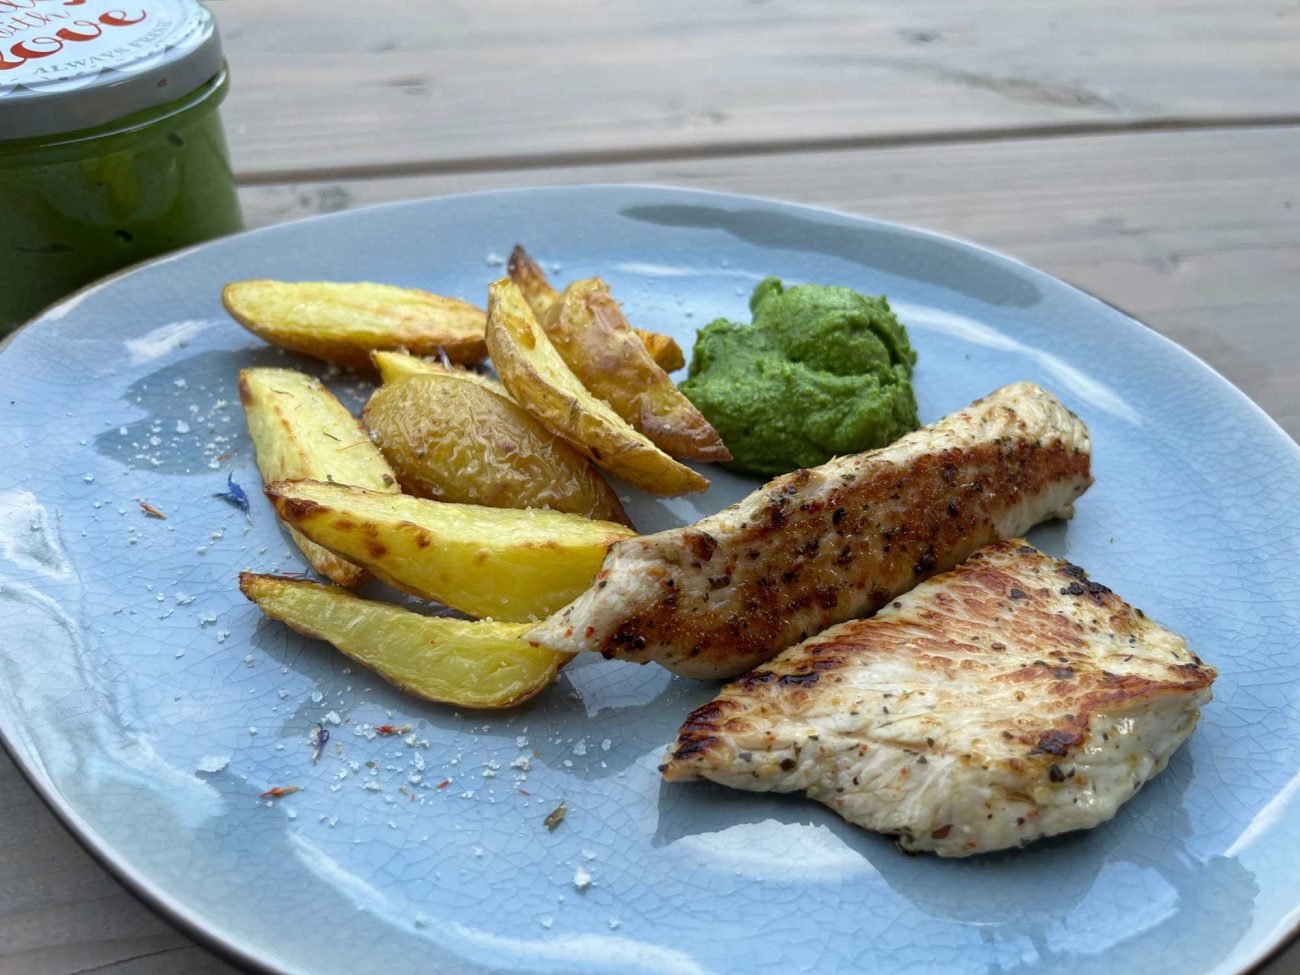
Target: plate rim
202	929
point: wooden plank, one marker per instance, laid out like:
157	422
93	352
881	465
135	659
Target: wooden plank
369	87
1195	233
61	912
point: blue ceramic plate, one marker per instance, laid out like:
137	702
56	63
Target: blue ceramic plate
151	704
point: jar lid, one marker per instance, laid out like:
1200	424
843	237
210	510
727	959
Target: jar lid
74	64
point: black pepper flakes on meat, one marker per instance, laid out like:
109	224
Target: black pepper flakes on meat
926	562
1055	774
702	543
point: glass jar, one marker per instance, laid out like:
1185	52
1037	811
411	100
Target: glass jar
111	146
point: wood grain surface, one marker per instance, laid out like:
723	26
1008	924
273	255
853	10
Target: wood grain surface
338	87
1149	154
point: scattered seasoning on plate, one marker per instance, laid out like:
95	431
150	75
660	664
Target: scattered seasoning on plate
556	816
444	783
234	494
279	792
151	511
388	730
319	737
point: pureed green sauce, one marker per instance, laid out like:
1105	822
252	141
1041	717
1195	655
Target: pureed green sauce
80	203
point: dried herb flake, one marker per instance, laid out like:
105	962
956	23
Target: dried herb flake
234	495
556	816
319	736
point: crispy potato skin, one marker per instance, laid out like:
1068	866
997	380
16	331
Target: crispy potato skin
541	382
344	323
481	664
449	439
299	429
664	349
512	564
395	366
537	291
532	283
592	336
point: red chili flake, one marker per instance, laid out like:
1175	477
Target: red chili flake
279	792
444	783
387	730
151	511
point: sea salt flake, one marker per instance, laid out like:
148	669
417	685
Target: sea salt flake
212	763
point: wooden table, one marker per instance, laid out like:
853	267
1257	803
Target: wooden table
1149	153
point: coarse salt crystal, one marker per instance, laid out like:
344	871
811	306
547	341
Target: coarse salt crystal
212	763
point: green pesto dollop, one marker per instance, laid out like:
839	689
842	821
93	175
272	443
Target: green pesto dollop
822	371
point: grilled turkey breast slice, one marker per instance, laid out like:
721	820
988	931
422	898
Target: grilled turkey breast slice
1006	700
836	542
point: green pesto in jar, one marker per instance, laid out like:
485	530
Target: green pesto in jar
822	371
79	205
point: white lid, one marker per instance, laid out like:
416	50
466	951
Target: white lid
73	64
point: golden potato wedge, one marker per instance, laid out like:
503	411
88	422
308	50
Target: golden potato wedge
531	280
393	366
512	564
344	323
593	338
664	349
452	440
539	294
541	382
481	664
300	430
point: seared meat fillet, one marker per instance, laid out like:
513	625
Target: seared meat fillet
836	542
1003	701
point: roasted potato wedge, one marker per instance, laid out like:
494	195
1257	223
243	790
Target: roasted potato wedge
541	382
664	349
531	280
481	664
393	366
589	331
344	323
453	440
512	564
539	294
300	430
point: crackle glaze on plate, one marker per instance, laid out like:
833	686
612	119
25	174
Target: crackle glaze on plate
151	704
